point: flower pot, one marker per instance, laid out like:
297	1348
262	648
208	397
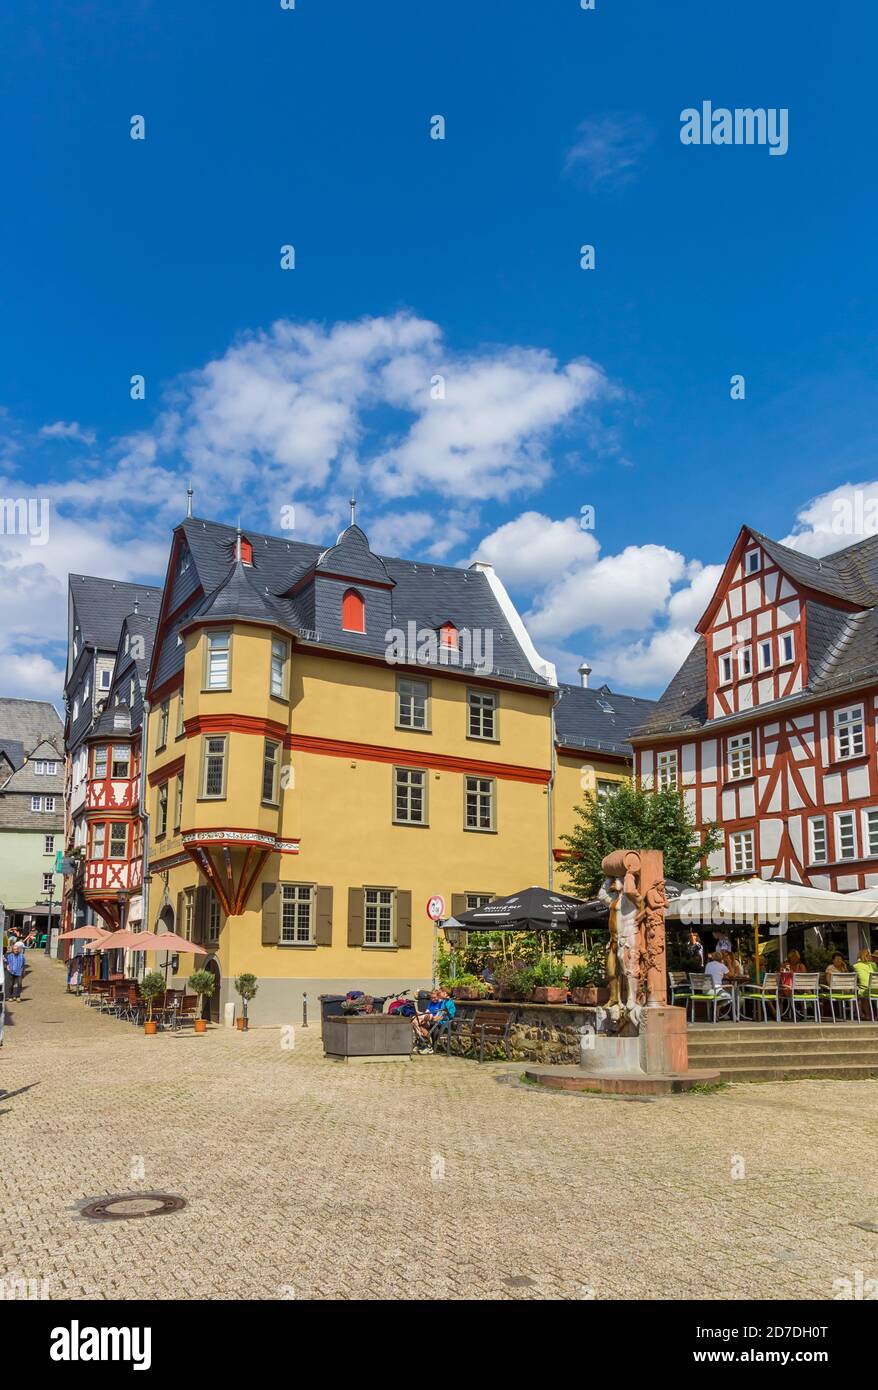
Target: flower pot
241	1025
591	995
550	994
465	993
200	1025
150	1026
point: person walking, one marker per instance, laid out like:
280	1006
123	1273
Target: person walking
14	970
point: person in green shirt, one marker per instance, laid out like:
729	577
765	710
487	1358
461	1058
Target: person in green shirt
863	968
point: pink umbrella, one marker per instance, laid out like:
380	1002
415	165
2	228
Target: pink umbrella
126	941
81	934
170	941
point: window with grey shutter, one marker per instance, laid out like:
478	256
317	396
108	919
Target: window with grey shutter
355	916
403	918
324	916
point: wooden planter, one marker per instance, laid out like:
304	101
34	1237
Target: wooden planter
150	1026
550	994
200	1025
241	1024
358	1036
590	995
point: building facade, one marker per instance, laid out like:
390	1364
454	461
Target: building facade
31	811
769	727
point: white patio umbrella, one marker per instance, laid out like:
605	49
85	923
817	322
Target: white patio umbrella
753	900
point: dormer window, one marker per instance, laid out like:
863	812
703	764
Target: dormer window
185	561
751	561
449	636
353	611
246	552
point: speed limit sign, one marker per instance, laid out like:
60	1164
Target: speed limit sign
436	908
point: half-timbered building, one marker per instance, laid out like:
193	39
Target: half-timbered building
769	726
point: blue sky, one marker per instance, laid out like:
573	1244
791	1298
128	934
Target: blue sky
416	257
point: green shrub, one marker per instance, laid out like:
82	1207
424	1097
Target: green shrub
151	986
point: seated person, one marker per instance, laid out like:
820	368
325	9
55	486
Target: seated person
863	968
837	966
717	970
440	1008
795	963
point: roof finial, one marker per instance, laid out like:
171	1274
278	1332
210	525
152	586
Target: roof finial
353	509
238	541
189	500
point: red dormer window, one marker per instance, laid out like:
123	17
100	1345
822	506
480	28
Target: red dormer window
448	635
353	611
246	552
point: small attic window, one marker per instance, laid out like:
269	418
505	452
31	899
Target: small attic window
246	552
353	611
751	561
449	636
184	561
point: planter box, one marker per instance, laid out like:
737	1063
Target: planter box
592	995
550	994
467	994
367	1036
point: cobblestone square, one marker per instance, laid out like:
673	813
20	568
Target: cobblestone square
434	1179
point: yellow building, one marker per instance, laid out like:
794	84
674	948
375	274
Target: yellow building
333	738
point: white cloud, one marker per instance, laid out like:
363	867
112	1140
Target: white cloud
61	430
619	593
836	519
532	550
608	149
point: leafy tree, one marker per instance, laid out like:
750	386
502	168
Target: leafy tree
636	817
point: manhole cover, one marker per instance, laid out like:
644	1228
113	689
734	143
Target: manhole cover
128	1206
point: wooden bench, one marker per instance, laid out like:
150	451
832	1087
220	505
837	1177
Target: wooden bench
484	1025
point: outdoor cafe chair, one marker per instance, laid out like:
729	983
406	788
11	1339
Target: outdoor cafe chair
842	990
703	991
872	996
805	991
766	993
678	985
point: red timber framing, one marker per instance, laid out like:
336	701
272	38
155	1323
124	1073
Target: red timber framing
790	777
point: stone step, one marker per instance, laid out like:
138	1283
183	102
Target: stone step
850	1056
758	1047
812	1071
867	1032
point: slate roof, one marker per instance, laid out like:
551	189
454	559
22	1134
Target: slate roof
598	719
27	722
425	594
26	780
842	646
102	605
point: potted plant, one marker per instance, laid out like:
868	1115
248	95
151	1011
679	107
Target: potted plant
201	983
550	986
151	986
246	986
588	980
515	981
468	986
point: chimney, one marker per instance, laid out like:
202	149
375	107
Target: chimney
584	673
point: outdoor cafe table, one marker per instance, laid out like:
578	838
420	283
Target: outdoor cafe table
735	983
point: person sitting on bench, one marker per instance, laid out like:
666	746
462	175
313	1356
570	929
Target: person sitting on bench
440	1008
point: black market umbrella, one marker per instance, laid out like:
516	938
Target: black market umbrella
596	913
533	909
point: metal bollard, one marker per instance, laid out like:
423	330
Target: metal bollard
304	1008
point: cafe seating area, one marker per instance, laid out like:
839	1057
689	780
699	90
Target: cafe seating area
804	998
122	998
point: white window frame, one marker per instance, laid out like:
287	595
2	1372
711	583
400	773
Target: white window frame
380	905
849	724
36	803
405	690
740	757
481	712
742	851
293	898
850	818
817	856
405	780
745	662
783	639
48	844
218	645
161	810
272	751
212	925
765	664
207	756
48	882
124	855
749	567
39	767
105	679
481	788
49	803
277	681
726	669
667	769
98	845
870	837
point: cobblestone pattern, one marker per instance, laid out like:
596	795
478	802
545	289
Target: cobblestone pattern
432	1179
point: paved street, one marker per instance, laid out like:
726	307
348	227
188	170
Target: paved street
432	1179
